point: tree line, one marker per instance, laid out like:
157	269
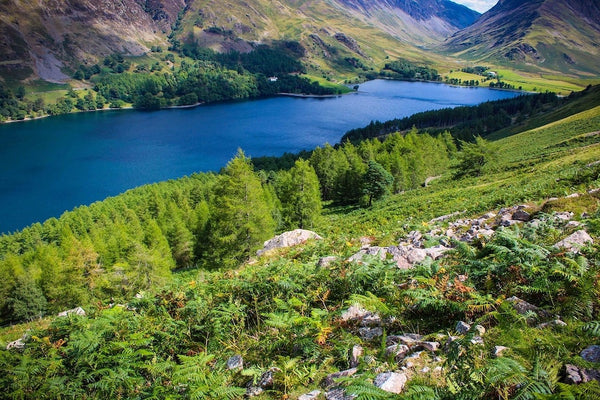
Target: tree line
112	249
465	122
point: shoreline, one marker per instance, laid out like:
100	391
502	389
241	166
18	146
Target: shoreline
99	109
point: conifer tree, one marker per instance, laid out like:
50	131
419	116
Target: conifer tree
299	193
240	216
377	181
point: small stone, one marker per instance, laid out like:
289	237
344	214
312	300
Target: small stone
480	330
74	311
462	327
338	394
370	333
425	370
254	391
266	379
573	224
438	369
326	261
591	353
399	351
521	215
235	362
552	324
573	196
498	350
391	382
430	346
310	396
18	344
330	379
477	340
355	355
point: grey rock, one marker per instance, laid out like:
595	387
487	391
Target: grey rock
477	340
355	313
392	382
591	353
330	379
575	375
575	241
235	362
425	370
367	333
355	355
522	307
310	396
409	339
499	350
266	379
573	224
430	346
552	324
74	311
18	344
572	196
338	394
326	261
376	251
416	255
462	327
288	239
399	351
436	252
564	216
521	215
254	391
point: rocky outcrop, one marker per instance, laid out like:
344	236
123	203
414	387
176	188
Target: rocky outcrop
288	239
349	42
74	311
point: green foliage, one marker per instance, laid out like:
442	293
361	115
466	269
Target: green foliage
241	220
475	158
377	181
298	190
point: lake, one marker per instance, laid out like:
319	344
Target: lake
54	164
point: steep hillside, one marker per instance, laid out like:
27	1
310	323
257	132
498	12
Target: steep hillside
49	39
537	34
45	38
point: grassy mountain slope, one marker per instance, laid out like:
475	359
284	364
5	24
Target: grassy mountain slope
283	313
45	39
537	35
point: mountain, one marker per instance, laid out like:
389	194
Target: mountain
535	34
49	39
45	38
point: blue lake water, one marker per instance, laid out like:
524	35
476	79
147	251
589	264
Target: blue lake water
54	164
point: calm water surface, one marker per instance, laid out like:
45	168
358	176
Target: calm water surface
54	164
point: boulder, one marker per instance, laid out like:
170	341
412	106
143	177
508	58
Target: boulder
375	251
477	340
436	252
288	239
409	339
575	241
521	215
74	311
391	382
575	375
462	327
235	362
310	396
522	307
254	391
591	353
266	379
430	346
330	379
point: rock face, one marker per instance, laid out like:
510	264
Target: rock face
575	241
288	239
392	382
